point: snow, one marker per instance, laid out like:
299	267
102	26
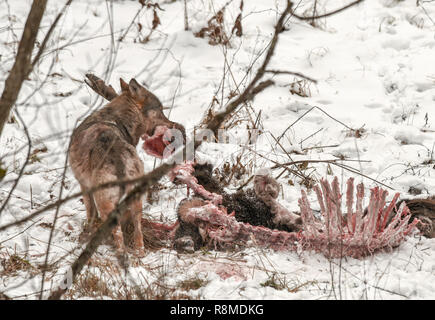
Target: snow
373	67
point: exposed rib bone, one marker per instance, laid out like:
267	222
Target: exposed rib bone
359	235
184	173
334	235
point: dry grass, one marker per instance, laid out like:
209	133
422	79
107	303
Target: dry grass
282	283
105	279
192	284
13	263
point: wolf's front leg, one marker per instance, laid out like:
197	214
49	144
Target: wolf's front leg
136	214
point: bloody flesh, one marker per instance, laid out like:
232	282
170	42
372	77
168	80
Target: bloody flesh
156	144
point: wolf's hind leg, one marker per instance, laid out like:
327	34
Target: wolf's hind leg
132	228
91	209
106	201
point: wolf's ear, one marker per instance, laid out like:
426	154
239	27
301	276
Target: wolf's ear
124	85
134	87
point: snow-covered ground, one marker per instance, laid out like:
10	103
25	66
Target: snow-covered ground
374	67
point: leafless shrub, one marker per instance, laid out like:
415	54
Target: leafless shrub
155	22
215	30
237	170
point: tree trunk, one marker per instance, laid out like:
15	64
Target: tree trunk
22	66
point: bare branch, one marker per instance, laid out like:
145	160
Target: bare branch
50	31
50	238
26	161
22	65
249	93
297	74
328	14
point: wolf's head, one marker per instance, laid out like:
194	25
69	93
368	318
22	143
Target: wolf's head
160	132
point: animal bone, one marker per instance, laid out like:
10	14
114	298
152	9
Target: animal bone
355	234
358	235
184	173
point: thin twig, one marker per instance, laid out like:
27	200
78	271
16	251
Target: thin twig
312	18
20	174
49	32
50	238
297	74
312	108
